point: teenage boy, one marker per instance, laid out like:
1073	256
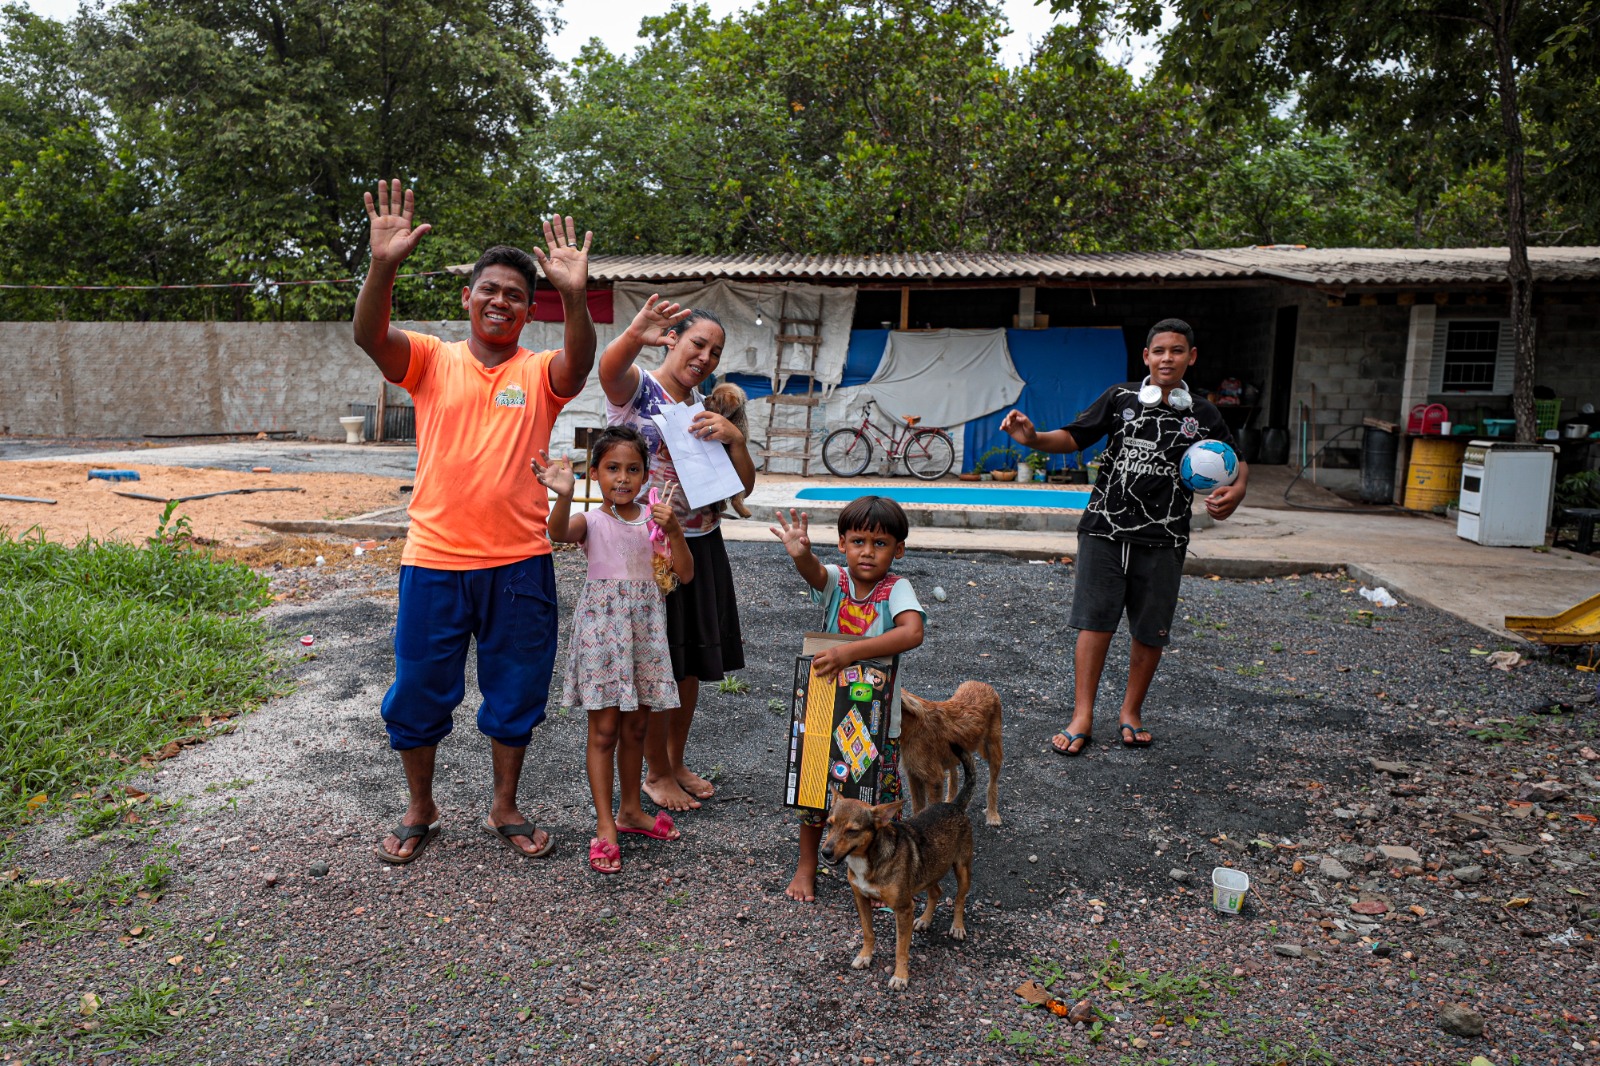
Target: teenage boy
1135	531
477	561
862	599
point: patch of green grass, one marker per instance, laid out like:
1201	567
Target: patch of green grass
733	685
114	650
1501	731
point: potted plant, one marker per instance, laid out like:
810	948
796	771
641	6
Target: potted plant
1037	461
1003	460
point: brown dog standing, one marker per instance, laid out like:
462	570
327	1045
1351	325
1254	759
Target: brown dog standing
728	400
889	862
929	729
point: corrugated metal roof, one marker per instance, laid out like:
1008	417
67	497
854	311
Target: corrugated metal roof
1307	266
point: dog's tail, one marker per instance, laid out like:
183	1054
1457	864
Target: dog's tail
969	775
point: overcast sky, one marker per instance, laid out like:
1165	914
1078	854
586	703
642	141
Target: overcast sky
616	22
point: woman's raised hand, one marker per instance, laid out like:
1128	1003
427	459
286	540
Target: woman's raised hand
555	474
656	317
392	236
795	534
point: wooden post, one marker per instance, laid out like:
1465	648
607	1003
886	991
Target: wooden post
381	410
905	307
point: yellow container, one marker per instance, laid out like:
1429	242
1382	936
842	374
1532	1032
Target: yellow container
1433	478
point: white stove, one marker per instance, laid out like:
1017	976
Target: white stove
1507	490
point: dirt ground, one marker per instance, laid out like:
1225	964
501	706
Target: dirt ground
90	507
1459	868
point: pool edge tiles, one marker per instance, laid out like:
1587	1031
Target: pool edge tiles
1007	497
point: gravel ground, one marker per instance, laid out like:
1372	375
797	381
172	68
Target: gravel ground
1268	714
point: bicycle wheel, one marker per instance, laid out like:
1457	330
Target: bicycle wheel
929	454
846	452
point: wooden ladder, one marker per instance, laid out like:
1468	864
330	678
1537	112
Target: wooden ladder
800	335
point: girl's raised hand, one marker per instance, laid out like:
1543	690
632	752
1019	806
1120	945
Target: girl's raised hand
555	474
662	514
795	534
656	317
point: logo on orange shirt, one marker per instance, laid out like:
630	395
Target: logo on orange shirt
512	395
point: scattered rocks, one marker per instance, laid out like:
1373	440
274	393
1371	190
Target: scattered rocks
1458	1019
1469	875
1454	945
1333	869
269	878
318	869
1288	951
606	912
1393	769
1183	877
1544	791
1399	853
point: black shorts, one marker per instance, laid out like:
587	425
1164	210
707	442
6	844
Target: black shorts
1115	576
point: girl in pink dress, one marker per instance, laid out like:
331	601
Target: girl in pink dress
618	666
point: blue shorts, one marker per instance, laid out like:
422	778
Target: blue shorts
511	611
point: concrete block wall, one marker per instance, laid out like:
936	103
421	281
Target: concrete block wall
1566	333
1350	363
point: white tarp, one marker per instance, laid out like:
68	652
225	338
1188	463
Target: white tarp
753	349
945	376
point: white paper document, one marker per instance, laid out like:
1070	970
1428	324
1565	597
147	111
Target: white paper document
704	469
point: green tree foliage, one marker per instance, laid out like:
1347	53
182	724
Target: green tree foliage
268	120
1449	90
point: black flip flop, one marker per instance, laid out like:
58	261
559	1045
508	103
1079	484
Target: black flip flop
1134	731
1071	739
404	833
504	833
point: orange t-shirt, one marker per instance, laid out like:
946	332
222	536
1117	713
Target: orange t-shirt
475	503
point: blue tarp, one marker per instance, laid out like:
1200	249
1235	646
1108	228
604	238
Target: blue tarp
1066	369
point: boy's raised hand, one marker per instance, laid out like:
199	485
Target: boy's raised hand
393	238
1020	428
565	264
795	534
655	318
555	474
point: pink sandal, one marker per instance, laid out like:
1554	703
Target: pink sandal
606	852
664	829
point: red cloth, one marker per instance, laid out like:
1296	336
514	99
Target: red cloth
547	305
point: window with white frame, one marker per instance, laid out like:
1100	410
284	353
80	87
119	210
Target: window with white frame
1472	356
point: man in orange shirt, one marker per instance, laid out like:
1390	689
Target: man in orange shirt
477	558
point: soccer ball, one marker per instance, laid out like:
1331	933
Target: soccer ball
1208	464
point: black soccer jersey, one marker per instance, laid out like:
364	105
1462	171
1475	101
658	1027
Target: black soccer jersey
1138	497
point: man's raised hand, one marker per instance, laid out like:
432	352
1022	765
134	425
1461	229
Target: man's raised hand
393	238
795	534
555	474
565	264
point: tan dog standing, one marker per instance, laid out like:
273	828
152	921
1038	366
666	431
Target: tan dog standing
969	720
889	862
728	400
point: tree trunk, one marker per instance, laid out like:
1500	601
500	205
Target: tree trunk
1519	273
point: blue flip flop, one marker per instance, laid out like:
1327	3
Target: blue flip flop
1073	738
1132	739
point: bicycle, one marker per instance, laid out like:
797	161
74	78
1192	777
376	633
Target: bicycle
928	452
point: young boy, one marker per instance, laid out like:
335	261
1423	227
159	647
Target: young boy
862	599
1135	531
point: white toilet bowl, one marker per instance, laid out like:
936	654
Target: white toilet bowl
352	428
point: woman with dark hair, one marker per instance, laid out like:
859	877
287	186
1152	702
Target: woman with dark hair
702	615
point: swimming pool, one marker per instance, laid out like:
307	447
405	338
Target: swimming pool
957	496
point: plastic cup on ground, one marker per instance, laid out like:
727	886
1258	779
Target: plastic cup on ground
1228	888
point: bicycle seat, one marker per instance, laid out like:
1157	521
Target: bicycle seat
912	420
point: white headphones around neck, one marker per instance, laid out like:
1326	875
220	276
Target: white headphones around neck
1178	399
